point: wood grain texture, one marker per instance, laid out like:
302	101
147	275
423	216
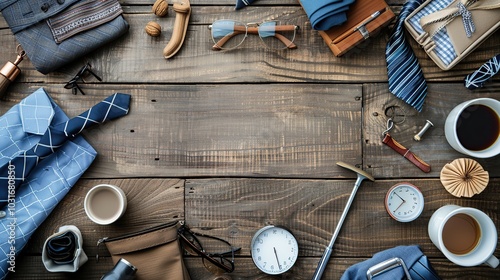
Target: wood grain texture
433	148
150	202
245	269
235	209
233	141
226	130
137	58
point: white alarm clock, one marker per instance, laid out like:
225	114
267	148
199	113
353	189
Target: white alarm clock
274	249
404	202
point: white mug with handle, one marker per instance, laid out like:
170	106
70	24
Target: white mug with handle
466	236
480	124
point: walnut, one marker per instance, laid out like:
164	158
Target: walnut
153	29
160	8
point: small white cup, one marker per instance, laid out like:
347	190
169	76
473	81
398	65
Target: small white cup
104	204
482	252
450	128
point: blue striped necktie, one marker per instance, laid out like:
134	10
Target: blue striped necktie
14	173
406	80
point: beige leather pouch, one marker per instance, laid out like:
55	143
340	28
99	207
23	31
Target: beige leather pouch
155	252
485	20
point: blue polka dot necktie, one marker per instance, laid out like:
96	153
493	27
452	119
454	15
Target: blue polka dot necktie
17	170
406	80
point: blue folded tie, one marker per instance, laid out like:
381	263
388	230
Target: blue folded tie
324	14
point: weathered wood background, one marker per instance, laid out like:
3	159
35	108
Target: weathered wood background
233	141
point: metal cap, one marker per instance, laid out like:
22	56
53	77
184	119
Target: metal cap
10	71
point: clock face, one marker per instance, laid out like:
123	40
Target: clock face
404	202
274	250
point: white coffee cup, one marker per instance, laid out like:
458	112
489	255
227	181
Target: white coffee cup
450	128
104	204
443	232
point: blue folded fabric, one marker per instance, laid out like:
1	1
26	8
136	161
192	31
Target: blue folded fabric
48	183
324	14
28	19
409	254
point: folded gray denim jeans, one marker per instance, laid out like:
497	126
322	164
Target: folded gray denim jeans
52	39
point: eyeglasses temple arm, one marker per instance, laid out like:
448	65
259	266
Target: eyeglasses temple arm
289	44
279	28
233	250
94	74
77	87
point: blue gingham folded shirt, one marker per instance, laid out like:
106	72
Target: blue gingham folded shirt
444	48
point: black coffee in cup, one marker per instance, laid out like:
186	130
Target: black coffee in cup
478	127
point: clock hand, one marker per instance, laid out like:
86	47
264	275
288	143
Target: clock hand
399	206
276	254
399	197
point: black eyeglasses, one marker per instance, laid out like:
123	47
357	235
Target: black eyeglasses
73	83
216	263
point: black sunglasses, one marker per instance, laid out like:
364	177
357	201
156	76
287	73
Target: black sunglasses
73	83
192	245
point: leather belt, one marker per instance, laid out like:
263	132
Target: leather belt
406	153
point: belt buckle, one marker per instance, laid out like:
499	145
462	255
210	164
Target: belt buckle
386	266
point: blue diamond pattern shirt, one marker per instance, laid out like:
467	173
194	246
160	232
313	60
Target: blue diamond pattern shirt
22	128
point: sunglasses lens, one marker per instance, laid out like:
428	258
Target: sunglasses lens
228	34
277	36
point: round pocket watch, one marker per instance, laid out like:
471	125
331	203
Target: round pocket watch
274	249
404	202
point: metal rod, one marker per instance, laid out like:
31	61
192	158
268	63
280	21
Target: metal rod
328	251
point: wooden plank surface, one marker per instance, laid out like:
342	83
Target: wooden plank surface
137	58
234	209
233	141
381	161
223	130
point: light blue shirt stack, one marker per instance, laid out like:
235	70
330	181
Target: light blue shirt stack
47	184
